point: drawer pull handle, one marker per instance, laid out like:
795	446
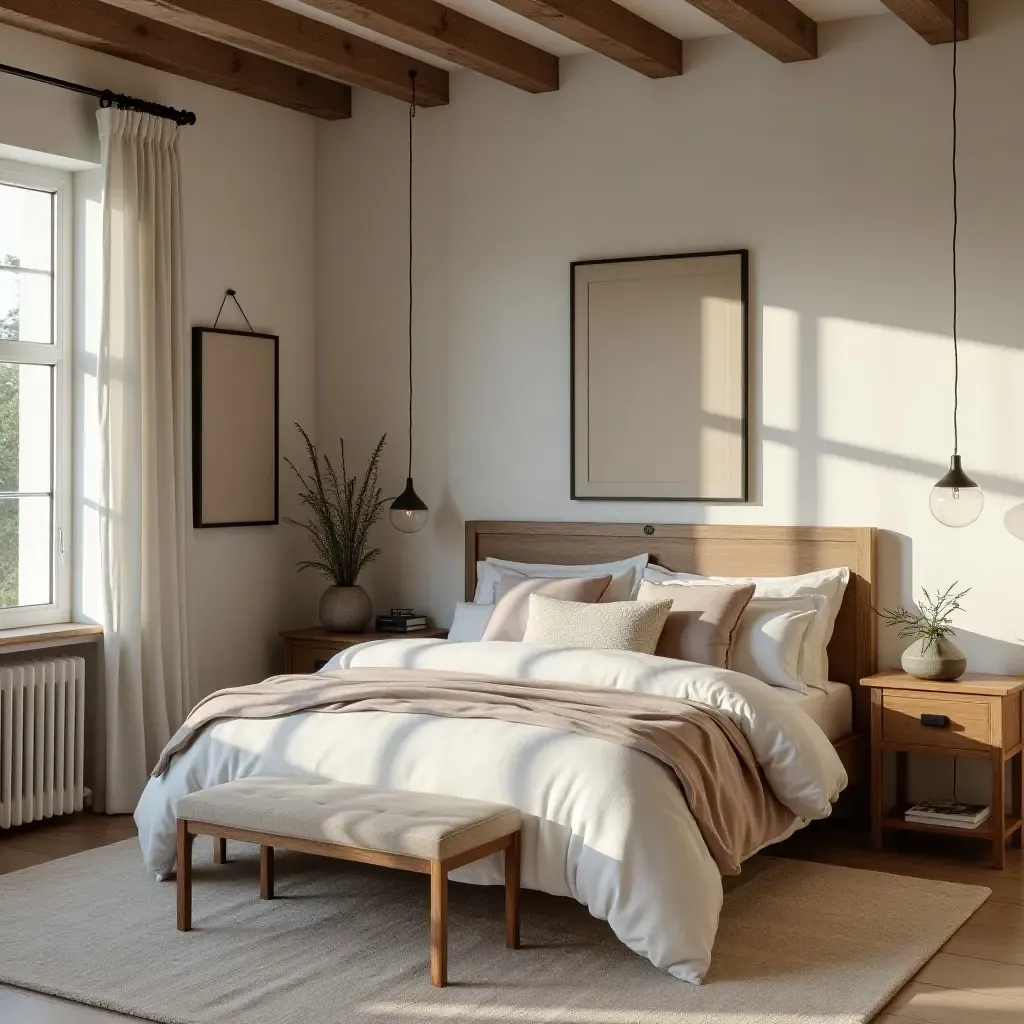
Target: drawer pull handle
935	721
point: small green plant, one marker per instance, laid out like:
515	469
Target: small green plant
933	622
342	513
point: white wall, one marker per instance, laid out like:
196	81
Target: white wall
834	173
248	202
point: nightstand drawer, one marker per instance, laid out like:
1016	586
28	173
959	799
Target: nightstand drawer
311	659
930	720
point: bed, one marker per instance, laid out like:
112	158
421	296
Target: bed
730	551
604	824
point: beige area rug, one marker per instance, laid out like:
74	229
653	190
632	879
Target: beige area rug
799	943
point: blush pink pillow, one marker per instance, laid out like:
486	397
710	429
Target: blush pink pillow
703	619
512	601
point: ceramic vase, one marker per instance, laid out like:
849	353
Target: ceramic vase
345	609
939	659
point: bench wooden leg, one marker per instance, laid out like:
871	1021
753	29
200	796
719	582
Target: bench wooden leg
438	924
512	860
266	872
220	850
184	876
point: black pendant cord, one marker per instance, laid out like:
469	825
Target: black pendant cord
229	293
412	114
106	97
956	226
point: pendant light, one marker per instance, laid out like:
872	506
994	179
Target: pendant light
408	512
956	500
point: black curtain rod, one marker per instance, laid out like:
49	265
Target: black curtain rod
106	97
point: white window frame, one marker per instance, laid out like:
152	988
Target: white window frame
59	356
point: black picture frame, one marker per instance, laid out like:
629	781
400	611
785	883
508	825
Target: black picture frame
744	497
199	520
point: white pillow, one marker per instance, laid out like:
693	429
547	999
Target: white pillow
469	621
490	571
620	626
770	642
827	583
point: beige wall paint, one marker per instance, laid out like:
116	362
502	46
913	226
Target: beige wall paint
834	173
248	202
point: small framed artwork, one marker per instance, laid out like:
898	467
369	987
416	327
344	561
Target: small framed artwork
659	378
234	428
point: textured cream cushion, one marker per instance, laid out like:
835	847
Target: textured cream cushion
512	604
623	626
703	619
424	825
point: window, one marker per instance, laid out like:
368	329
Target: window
35	394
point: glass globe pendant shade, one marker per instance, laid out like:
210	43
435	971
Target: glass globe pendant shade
408	512
956	500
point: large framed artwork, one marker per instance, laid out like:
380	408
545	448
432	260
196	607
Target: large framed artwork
659	378
234	428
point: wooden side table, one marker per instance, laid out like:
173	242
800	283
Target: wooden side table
977	716
308	650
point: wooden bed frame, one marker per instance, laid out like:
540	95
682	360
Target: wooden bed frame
722	551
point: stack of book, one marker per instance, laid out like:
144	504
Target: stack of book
950	813
401	620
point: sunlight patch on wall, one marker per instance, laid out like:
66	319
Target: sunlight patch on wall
854	490
780	345
782	467
890	390
885	388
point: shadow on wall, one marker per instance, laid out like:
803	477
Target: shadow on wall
1014	521
895	586
999	656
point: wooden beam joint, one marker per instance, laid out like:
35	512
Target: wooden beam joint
776	26
936	21
451	35
608	28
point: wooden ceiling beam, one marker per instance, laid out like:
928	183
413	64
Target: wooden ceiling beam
98	26
283	35
776	26
610	29
444	32
934	20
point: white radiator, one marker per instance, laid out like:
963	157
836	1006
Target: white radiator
42	729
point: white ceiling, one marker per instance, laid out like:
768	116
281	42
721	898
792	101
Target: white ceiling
675	16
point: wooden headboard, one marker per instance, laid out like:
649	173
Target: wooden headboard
714	551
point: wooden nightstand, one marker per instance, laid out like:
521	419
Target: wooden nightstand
308	650
977	716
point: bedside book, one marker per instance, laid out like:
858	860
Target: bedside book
401	620
950	813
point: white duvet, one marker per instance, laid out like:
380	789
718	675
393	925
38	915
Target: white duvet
604	824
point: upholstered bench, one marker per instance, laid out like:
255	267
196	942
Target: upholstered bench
420	832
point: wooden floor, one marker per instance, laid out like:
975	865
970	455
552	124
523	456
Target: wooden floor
977	978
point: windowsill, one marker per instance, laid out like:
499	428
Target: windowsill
57	634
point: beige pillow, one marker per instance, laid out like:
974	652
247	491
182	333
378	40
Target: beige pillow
619	589
703	619
512	607
622	626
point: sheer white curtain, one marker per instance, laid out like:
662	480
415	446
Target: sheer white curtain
141	388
